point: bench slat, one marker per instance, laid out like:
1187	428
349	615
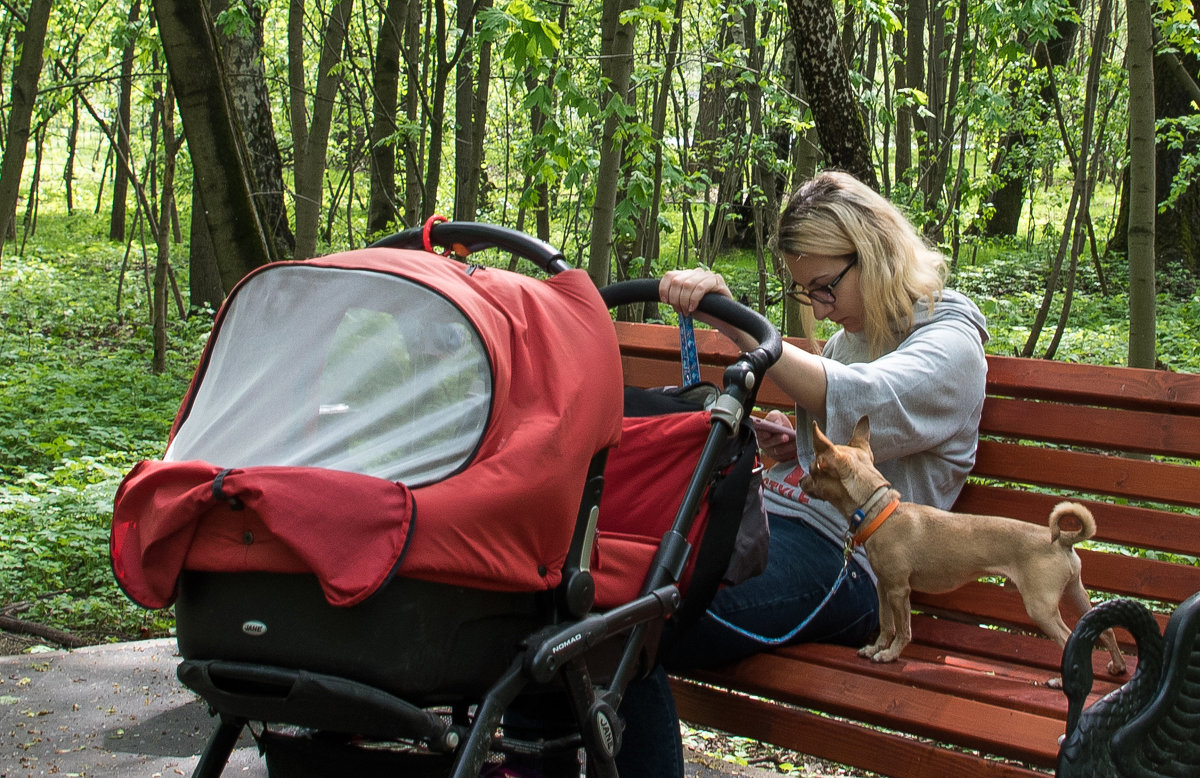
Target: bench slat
980	602
1129	576
997	729
1124	524
927	667
965	641
1141	431
1117	387
1089	473
1121	387
830	738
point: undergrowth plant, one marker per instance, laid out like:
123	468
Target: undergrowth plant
78	407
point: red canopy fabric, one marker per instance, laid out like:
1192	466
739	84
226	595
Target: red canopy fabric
644	484
503	521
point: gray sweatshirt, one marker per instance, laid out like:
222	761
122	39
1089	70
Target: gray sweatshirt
924	399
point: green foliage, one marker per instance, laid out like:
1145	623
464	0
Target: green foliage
1007	282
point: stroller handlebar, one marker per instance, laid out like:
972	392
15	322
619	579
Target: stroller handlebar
464	237
770	343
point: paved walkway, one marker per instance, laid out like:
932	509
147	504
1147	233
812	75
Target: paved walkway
118	711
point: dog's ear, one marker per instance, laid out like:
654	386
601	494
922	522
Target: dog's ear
861	437
820	442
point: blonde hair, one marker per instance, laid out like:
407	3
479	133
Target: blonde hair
835	214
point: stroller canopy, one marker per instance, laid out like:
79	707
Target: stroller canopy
375	412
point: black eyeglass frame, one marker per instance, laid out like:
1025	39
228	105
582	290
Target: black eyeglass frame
822	294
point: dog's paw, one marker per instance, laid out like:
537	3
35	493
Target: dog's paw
885	657
1054	683
1117	668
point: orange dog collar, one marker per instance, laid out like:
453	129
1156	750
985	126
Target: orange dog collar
861	536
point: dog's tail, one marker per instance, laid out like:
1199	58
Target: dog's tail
1068	538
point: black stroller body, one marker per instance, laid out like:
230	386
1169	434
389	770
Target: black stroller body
401	570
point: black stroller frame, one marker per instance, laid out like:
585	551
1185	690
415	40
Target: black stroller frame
559	656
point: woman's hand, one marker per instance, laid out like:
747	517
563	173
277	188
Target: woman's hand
683	289
777	445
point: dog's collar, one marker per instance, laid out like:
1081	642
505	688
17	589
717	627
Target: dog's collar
860	527
860	515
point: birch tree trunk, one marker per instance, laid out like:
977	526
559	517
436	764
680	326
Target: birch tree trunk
827	84
219	158
248	93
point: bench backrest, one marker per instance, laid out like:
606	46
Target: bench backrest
1123	441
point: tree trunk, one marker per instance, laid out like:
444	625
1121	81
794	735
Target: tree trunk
470	112
1141	190
1177	229
720	147
413	198
24	93
116	221
219	158
648	243
1010	165
312	140
764	197
435	119
204	273
72	150
827	83
915	15
537	152
382	208
162	267
902	112
1176	235
616	57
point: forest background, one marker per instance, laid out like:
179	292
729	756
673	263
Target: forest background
154	154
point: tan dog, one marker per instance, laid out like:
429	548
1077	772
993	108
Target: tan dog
914	546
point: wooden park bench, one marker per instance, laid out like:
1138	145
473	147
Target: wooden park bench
969	696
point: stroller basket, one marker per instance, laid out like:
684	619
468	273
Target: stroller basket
379	513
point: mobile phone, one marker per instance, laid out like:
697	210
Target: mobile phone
772	428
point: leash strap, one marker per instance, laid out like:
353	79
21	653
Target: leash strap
687	351
847	551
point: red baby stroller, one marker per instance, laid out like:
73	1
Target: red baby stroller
380	513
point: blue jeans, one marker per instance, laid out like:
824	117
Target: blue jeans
801	569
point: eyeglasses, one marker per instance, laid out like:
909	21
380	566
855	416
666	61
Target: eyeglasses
821	294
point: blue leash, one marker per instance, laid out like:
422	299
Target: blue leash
768	641
687	351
